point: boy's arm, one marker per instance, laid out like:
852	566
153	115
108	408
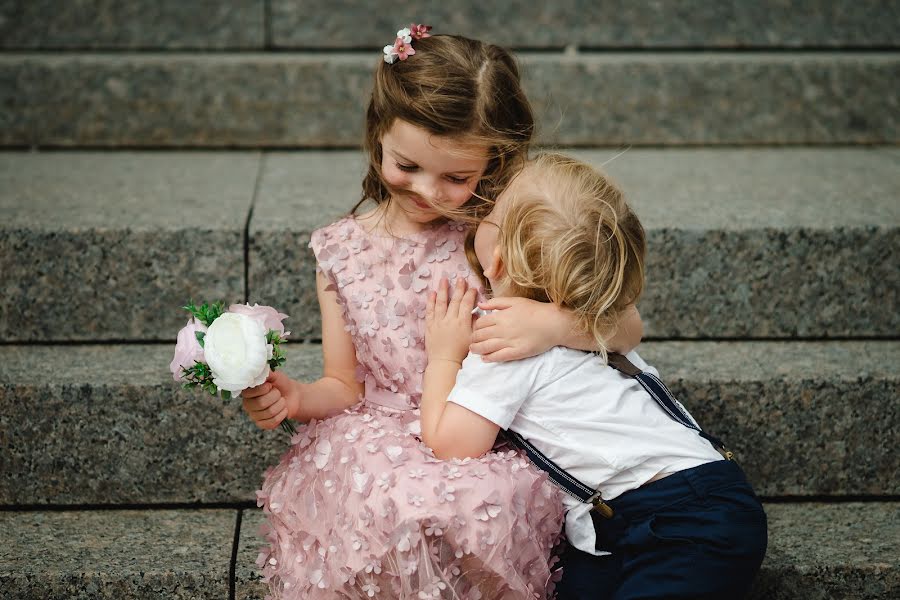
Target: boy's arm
501	336
450	430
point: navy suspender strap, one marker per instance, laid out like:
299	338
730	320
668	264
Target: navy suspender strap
560	476
658	391
661	394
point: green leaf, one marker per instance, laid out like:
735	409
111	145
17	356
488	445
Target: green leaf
200	335
226	395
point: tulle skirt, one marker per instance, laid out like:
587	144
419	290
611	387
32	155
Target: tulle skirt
359	507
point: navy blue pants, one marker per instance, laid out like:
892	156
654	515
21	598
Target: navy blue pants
699	534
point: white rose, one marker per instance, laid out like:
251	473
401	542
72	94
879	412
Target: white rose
237	353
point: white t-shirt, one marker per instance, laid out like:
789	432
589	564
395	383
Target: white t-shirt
597	424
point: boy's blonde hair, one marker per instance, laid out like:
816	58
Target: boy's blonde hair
568	237
454	87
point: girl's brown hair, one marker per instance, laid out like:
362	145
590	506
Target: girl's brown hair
458	88
568	237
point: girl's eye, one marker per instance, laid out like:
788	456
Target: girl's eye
457	180
407	168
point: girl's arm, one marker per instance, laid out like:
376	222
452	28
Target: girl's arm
519	328
282	397
450	430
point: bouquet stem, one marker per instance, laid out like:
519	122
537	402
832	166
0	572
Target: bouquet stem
288	426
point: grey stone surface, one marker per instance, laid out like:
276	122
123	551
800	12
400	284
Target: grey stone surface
109	246
766	243
610	23
816	552
803	418
824	551
116	554
106	425
298	192
317	100
204	24
248	583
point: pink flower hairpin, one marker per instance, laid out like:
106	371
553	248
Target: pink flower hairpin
402	48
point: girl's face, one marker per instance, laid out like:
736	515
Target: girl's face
428	171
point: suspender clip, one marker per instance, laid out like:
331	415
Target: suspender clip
602	508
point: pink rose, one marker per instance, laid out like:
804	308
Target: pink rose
187	348
267	316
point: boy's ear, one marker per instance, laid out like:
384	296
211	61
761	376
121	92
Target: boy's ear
496	269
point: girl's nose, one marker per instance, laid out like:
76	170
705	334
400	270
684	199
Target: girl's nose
425	189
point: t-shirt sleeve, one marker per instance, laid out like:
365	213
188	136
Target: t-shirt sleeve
496	391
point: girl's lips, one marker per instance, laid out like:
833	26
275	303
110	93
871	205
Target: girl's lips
420	203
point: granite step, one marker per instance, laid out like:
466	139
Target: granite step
117	554
106	246
295	99
816	552
172	24
106	425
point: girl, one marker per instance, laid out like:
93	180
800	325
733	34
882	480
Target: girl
358	506
674	519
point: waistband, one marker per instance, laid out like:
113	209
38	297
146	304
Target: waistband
678	487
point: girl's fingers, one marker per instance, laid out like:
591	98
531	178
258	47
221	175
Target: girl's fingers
459	289
274	421
269	411
487	347
440	308
253	405
468	302
260	390
429	307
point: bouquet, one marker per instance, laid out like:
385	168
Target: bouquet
227	351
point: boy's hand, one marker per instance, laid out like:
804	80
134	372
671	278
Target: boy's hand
517	328
448	324
272	402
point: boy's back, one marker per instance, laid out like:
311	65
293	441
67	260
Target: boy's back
592	421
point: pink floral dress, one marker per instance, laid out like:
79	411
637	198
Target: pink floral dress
359	507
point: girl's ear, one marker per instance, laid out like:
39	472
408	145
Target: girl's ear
496	269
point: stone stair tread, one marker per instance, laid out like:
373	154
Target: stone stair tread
85	234
816	551
153	24
116	554
590	98
105	424
754	232
78	234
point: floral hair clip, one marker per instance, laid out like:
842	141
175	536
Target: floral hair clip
402	46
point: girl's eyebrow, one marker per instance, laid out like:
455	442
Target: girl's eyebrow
403	158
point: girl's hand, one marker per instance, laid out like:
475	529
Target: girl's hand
272	402
448	324
518	328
